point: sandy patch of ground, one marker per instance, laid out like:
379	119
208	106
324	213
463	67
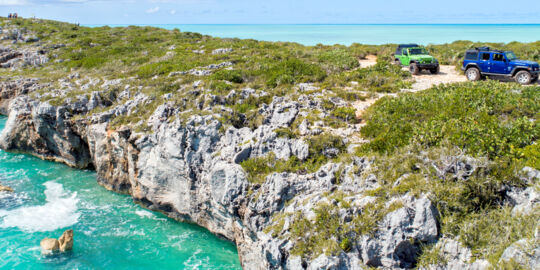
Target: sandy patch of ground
369	61
426	80
362	105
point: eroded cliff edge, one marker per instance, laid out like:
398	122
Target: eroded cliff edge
189	167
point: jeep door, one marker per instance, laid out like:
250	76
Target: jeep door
483	62
404	58
498	64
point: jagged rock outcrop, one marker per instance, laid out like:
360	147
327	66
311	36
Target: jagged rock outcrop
10	89
17	58
454	256
62	244
45	131
190	170
66	241
16	35
525	253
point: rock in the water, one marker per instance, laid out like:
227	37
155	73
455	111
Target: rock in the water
66	241
50	244
5	188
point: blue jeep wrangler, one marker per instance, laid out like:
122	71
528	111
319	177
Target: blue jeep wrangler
481	62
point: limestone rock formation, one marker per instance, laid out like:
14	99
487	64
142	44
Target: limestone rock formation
5	188
66	241
50	245
524	252
63	244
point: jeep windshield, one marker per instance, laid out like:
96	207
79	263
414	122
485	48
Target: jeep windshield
417	51
511	56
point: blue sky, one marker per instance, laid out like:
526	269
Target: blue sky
276	11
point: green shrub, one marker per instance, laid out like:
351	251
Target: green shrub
258	168
220	87
234	76
382	77
347	114
292	71
485	119
338	60
150	70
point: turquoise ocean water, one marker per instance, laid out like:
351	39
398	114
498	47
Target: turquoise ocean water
368	34
111	232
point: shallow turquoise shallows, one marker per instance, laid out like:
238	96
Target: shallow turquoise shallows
376	34
110	231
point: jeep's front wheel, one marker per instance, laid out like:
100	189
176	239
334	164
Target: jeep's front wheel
435	70
473	74
413	68
523	77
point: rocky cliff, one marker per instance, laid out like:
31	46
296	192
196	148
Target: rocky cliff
193	168
191	172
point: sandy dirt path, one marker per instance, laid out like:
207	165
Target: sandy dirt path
426	80
369	61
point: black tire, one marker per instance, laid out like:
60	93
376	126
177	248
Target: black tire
413	68
397	62
523	77
435	70
473	74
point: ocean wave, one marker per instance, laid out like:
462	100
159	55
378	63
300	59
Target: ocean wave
196	262
59	211
10	200
144	214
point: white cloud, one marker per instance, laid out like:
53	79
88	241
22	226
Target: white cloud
12	2
152	10
173	11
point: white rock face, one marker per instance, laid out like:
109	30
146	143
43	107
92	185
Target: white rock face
222	51
456	257
190	170
524	252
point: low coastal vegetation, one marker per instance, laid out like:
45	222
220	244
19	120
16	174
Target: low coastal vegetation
461	145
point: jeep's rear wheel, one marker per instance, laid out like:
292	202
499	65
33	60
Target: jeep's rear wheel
413	68
397	62
435	70
523	77
473	74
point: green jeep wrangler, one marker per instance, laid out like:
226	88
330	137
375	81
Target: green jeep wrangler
417	58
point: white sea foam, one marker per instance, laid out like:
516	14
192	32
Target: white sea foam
194	262
144	214
59	211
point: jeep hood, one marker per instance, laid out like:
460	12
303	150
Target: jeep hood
421	56
524	62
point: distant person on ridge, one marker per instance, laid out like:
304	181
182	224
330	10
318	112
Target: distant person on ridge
9	16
